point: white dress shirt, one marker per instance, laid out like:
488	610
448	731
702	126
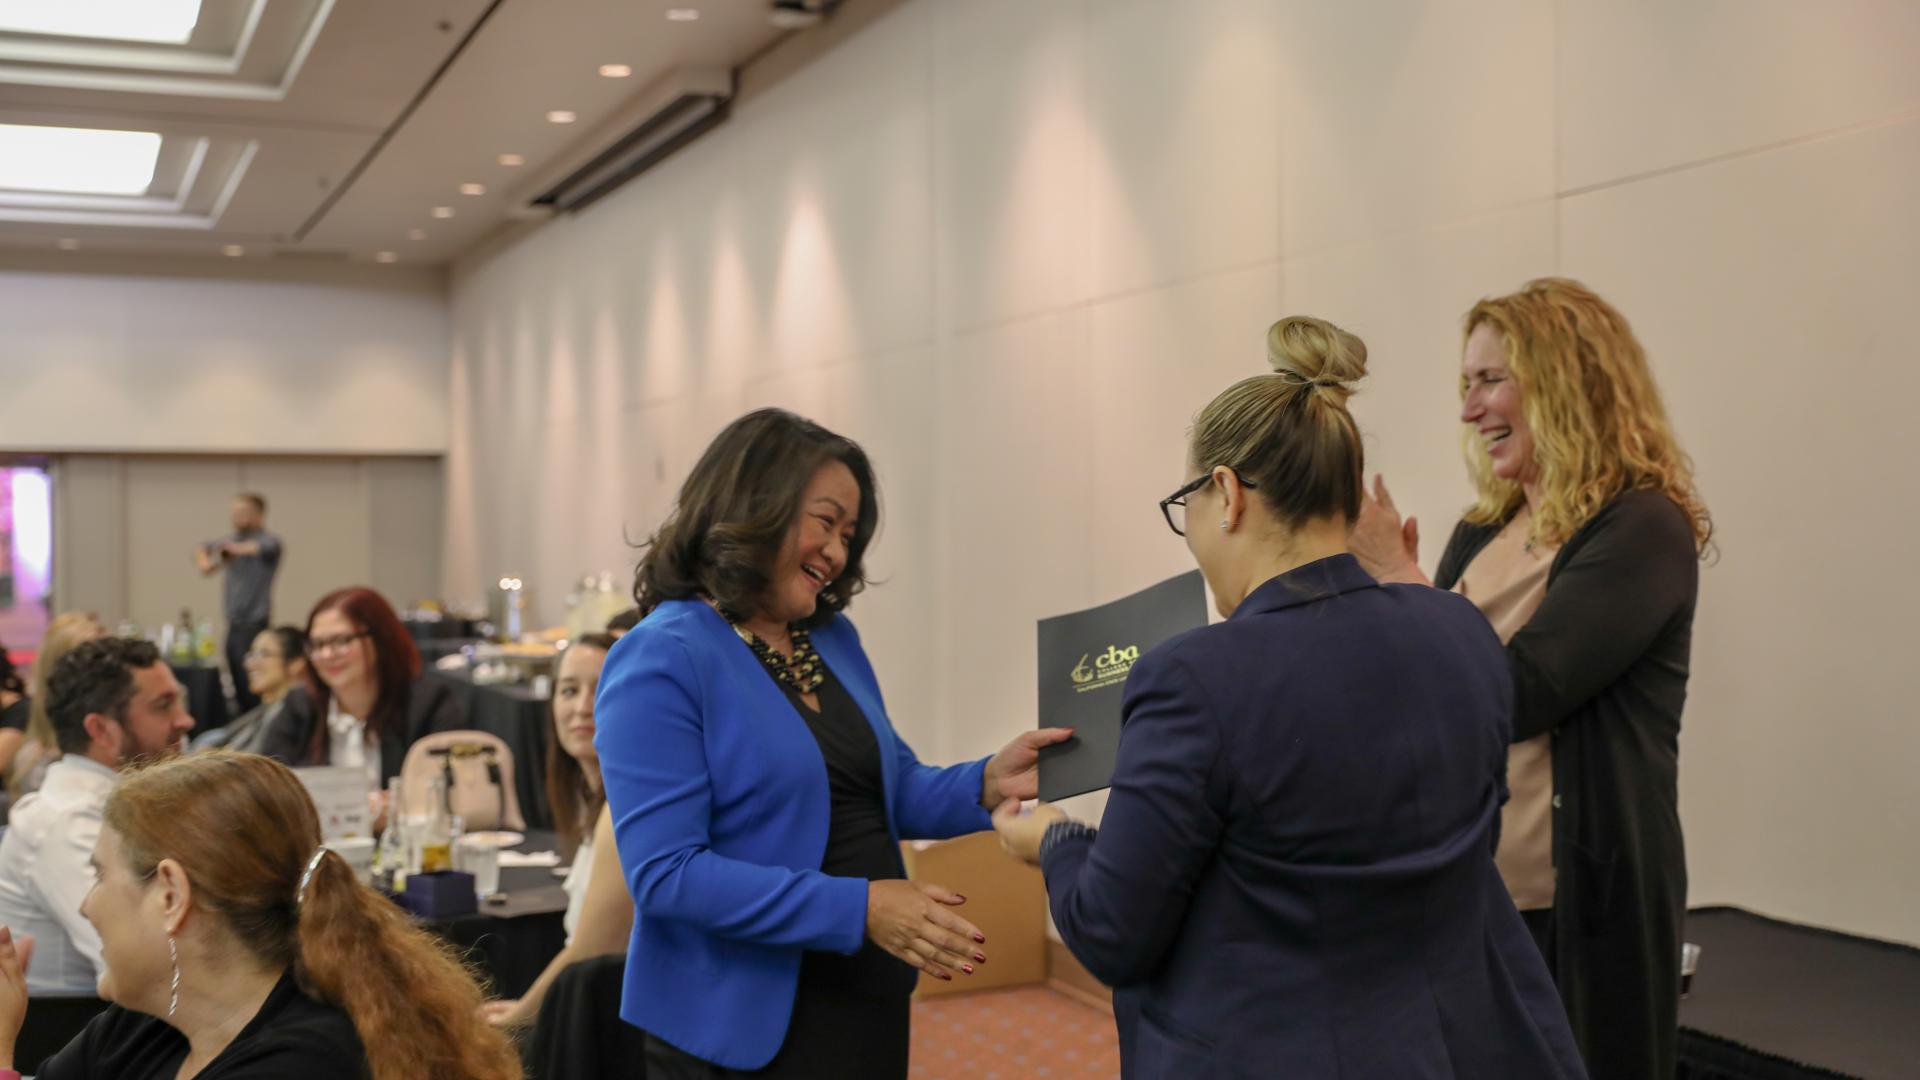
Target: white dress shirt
575	886
44	874
347	744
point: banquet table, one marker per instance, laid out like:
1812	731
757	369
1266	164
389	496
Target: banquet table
518	930
206	698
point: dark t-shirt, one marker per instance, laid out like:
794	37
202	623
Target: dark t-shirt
249	584
14	716
292	1037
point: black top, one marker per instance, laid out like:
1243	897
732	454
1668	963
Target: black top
14	716
1602	665
292	1037
859	843
850	1014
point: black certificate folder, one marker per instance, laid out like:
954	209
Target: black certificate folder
1084	661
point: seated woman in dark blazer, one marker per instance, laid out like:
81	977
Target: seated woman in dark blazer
236	946
1295	871
365	700
759	792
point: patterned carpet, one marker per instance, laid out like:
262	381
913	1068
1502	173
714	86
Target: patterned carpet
1008	1034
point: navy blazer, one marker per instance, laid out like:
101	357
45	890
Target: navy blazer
1295	873
721	811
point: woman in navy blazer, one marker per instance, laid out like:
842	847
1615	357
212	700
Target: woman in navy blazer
1295	876
759	793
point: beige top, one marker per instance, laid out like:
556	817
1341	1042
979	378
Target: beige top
1507	581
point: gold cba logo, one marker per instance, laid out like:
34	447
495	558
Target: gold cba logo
1108	668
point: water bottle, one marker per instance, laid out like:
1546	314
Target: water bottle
390	859
203	643
182	651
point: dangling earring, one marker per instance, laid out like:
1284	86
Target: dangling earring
173	991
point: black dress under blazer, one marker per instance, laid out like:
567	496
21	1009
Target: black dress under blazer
1602	666
430	707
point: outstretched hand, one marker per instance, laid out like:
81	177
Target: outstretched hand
1021	832
911	920
1014	772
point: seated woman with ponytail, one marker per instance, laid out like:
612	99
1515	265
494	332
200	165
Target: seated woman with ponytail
236	946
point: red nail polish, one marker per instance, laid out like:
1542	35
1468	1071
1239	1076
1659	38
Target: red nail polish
981	938
979	958
968	968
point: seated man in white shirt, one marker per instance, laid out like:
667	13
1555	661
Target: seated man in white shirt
112	702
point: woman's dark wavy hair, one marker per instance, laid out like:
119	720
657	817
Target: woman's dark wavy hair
10	679
735	508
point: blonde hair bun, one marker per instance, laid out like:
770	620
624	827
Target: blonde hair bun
1303	349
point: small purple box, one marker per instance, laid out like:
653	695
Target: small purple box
441	894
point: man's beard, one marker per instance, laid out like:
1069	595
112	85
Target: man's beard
146	756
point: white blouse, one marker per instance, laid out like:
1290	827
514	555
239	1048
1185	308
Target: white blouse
347	744
575	886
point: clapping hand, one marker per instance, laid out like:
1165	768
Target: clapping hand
15	955
1387	547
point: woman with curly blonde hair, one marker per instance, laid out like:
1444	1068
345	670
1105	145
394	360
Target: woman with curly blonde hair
1583	550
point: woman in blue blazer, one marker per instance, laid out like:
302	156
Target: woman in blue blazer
1295	874
759	793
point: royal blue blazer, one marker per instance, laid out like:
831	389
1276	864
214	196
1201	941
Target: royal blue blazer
1294	876
720	808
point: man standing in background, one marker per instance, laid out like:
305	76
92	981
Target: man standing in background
251	556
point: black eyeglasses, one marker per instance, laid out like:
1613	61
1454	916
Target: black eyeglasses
336	644
1174	506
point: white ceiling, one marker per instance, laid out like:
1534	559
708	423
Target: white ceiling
358	130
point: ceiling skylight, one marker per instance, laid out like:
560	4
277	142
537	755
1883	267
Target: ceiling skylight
168	22
81	161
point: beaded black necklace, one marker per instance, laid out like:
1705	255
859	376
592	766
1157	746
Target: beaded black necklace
803	671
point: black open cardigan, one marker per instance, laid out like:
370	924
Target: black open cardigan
1602	666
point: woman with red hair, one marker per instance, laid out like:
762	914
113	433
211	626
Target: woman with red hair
365	701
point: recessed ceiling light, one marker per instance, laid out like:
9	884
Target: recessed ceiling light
473	189
233	251
615	71
416	234
442	211
682	14
164	21
69	244
86	161
511	160
386	256
561	116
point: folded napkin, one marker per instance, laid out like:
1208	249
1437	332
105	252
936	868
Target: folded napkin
529	858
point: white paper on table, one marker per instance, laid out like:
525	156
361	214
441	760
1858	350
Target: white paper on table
529	858
340	796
